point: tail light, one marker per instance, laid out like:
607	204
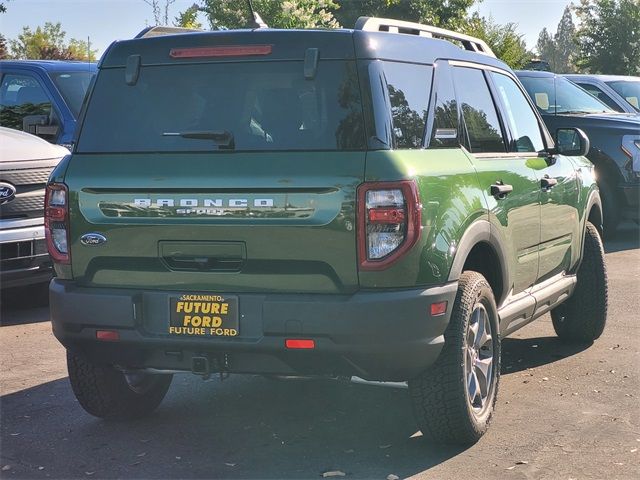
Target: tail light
56	221
389	216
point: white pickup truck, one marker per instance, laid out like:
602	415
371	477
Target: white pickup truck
25	164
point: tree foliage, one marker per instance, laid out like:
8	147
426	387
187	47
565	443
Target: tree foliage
504	40
48	43
609	36
560	49
275	13
444	13
4	51
188	18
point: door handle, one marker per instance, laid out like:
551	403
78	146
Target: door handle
547	183
500	190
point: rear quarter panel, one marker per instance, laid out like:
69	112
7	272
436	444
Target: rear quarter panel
451	201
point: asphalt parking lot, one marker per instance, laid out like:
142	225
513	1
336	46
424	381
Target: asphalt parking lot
563	412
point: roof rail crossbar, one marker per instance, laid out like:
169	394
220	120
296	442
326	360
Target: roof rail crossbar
373	24
157	31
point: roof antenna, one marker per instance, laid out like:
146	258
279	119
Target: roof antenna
256	21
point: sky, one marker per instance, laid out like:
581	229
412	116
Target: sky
103	21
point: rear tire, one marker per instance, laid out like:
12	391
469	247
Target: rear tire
582	318
105	392
453	400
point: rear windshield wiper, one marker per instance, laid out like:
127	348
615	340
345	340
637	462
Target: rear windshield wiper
222	138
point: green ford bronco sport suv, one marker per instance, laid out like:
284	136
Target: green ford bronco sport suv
373	202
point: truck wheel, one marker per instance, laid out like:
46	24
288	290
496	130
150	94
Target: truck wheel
453	400
105	392
583	316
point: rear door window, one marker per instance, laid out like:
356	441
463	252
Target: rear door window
523	122
408	87
478	111
261	105
600	95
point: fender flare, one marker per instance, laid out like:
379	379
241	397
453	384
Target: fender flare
481	231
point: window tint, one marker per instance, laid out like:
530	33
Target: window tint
600	95
263	105
409	86
73	86
478	111
522	120
445	114
557	95
22	96
630	90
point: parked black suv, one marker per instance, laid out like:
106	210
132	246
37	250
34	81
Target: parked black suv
615	140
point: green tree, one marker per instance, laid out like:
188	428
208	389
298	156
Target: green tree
560	49
565	43
504	40
609	36
443	13
4	52
276	13
48	43
546	47
188	18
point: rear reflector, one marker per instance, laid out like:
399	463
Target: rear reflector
224	51
107	335
439	308
300	344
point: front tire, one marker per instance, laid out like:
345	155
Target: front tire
106	392
453	400
582	318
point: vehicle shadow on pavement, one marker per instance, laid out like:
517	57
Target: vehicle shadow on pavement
245	427
24	304
522	353
626	238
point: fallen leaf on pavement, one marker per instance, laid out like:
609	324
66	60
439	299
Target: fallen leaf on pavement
333	473
6	467
391	476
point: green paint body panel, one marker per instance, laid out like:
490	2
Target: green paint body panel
306	242
310	246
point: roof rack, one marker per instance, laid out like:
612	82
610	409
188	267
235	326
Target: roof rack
372	24
158	31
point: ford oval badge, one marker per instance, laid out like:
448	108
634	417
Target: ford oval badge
7	192
92	239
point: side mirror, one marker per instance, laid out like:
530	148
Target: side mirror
572	142
39	125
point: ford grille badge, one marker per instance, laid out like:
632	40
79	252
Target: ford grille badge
92	239
7	192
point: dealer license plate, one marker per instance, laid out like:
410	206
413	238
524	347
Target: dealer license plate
204	315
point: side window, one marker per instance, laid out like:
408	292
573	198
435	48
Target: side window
445	113
600	95
523	122
478	111
24	105
408	86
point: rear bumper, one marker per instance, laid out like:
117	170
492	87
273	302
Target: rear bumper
387	335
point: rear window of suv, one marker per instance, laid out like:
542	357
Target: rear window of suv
263	105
